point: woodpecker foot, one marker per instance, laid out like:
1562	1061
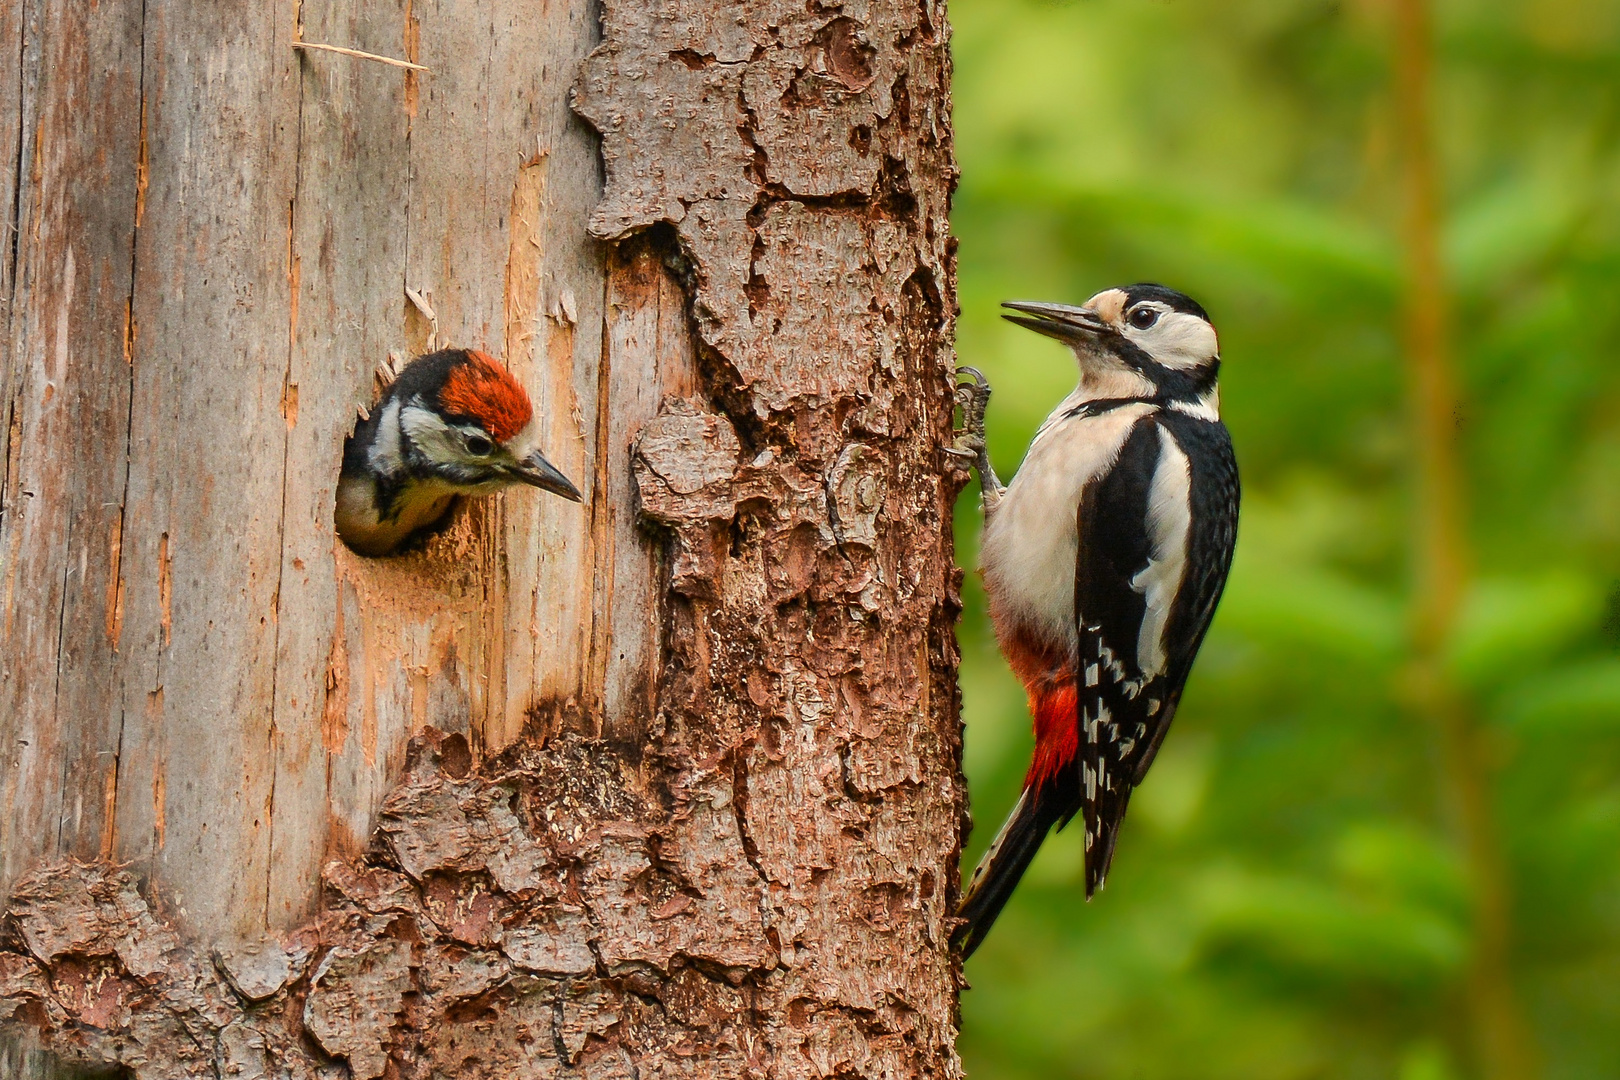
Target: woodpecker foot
972	397
970	447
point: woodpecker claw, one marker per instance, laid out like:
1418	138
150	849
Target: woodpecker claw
970	446
973	398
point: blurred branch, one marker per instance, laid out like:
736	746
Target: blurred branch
1291	238
1501	1034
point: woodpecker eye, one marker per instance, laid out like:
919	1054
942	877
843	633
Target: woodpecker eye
478	445
1142	317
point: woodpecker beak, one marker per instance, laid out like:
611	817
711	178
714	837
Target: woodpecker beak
1067	324
536	471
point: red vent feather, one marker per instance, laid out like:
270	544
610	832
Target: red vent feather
1057	731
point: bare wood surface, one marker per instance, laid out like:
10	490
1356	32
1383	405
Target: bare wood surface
75	135
663	784
203	512
357	634
11	122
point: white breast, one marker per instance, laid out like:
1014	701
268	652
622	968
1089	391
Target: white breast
1032	540
422	504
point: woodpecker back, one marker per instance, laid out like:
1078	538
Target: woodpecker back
1103	561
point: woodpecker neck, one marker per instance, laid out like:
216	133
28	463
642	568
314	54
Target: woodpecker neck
1107	383
1113	368
384	461
1105	378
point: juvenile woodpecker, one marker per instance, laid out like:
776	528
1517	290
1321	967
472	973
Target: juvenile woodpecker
1103	561
453	423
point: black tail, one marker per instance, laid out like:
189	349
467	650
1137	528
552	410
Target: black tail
1103	818
998	872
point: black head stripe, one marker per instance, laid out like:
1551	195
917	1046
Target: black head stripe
1173	384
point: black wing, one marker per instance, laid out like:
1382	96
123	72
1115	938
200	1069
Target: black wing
1128	689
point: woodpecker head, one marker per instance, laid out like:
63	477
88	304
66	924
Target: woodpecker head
453	423
1160	335
458	418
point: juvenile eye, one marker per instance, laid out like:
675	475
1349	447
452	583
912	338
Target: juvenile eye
478	445
1142	317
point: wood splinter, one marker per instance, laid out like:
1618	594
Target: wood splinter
322	47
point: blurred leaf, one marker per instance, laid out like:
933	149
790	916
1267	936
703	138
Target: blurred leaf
1312	610
1427	1060
1291	244
1509	625
1397	861
1507	228
1174	790
1583	697
1314	928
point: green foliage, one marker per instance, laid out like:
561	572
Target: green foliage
1289	898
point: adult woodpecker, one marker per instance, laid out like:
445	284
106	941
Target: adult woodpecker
1103	561
453	423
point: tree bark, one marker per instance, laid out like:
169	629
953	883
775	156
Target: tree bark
662	785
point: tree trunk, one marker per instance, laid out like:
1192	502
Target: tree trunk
664	784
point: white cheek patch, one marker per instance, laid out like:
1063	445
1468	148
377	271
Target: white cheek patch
432	436
1179	341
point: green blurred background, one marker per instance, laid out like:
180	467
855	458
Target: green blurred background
1300	890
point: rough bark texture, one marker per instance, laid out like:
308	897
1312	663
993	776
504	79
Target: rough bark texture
682	795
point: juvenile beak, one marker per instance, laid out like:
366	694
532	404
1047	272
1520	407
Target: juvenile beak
1067	324
538	472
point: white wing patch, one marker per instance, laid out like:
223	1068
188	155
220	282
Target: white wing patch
1169	520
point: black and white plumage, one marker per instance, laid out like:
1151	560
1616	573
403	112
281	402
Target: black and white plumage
1103	561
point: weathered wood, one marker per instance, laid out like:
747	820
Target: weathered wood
11	119
75	137
648	357
204	508
345	243
682	797
555	277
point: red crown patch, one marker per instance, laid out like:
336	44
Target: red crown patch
483	390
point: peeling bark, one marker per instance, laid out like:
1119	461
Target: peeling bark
681	796
524	919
